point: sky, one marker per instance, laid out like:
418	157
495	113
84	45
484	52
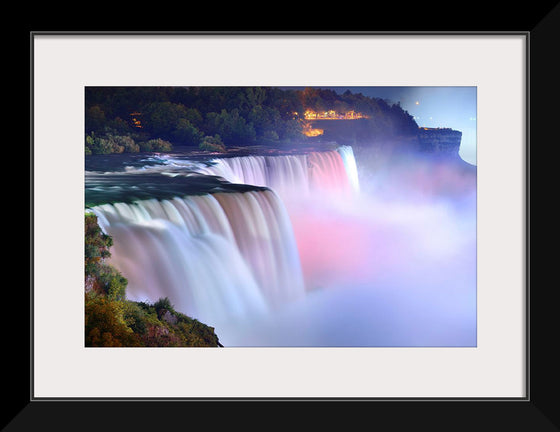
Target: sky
452	107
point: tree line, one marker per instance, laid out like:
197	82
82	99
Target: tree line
132	119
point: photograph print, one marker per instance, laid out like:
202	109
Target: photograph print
280	216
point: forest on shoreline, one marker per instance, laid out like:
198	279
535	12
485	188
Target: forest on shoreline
144	119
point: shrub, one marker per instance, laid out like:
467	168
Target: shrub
102	145
163	304
105	325
212	143
186	133
112	282
127	143
135	317
97	244
156	144
232	127
109	143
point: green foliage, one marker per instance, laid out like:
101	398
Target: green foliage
266	121
185	133
112	282
106	279
99	145
270	136
163	304
162	118
136	317
239	115
231	126
113	321
213	144
290	130
105	325
108	144
156	144
97	244
126	142
95	118
255	96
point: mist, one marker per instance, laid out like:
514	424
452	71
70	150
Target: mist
356	246
393	264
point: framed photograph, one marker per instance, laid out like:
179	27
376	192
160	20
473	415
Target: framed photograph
283	216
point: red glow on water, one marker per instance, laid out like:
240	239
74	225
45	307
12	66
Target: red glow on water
343	248
328	247
327	172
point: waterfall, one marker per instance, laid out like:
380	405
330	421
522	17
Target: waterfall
289	249
347	154
281	173
215	256
220	254
301	174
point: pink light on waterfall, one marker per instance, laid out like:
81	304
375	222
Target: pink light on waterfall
327	172
316	259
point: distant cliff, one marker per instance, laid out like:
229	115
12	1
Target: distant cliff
363	132
439	140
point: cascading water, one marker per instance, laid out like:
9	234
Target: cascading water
347	154
222	255
215	256
291	175
291	250
281	173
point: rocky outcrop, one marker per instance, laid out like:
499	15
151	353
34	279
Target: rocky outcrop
439	140
361	132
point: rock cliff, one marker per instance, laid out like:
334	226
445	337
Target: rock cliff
438	140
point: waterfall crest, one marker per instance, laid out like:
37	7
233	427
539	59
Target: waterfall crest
288	175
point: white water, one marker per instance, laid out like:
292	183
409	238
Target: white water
214	256
298	175
316	260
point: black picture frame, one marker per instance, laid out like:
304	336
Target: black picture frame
537	412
